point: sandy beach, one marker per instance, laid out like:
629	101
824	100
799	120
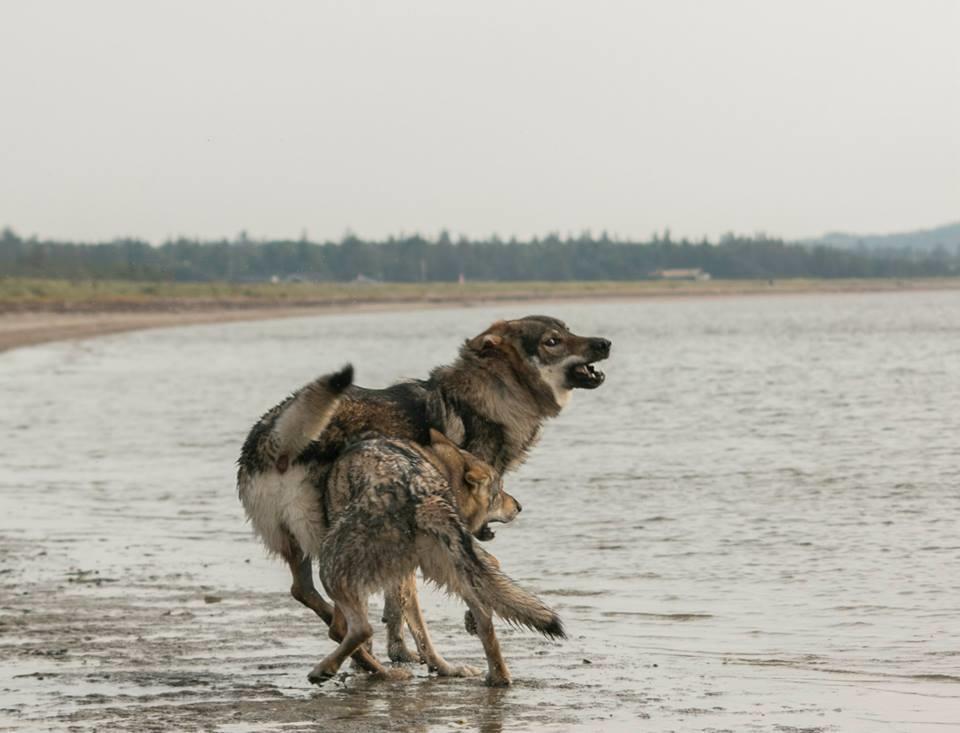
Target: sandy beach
87	311
36	327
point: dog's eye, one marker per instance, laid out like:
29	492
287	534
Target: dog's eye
552	341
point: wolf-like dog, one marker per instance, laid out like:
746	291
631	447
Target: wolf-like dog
407	506
492	401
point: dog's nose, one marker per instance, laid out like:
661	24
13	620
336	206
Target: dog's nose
519	506
601	346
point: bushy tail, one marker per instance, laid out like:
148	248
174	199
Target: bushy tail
308	412
479	579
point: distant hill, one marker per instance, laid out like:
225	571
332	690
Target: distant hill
946	236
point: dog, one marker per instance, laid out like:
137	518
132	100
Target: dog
405	506
493	400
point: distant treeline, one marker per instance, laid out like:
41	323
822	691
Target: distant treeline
416	259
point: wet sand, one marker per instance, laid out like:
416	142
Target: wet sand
153	650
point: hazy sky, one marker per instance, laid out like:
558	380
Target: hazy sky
204	118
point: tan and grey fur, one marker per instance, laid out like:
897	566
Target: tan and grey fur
282	501
407	506
492	400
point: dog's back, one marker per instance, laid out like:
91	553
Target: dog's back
399	513
373	490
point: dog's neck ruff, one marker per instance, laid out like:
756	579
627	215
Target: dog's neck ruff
490	390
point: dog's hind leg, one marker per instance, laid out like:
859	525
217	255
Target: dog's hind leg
303	589
350	621
497	673
363	657
358	631
393	617
418	627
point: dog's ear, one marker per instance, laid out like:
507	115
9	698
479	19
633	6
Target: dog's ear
477	479
448	453
438	438
485	342
489	339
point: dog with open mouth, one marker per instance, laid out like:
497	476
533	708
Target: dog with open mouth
404	506
491	401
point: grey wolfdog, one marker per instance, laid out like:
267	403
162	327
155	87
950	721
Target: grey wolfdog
403	506
492	401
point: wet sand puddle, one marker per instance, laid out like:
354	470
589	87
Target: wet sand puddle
751	526
163	652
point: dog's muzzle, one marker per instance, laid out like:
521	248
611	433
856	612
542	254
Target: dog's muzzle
585	375
484	534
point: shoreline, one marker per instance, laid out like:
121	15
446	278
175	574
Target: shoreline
31	322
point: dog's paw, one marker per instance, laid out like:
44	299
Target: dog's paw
399	654
463	670
470	623
392	674
498	680
320	674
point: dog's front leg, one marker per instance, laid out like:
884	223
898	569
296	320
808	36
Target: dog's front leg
418	628
393	617
497	673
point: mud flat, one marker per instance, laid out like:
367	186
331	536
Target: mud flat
155	651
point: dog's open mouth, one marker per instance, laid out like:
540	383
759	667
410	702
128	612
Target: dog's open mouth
585	376
484	534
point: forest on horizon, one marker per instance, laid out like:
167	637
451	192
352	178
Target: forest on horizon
418	259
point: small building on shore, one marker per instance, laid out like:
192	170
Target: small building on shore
694	273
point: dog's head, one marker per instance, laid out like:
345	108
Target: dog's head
476	485
560	359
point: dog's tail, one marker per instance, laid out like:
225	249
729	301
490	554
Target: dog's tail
478	578
308	412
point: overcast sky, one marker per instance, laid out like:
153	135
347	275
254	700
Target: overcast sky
207	118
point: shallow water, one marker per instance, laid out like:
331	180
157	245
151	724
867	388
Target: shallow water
753	525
